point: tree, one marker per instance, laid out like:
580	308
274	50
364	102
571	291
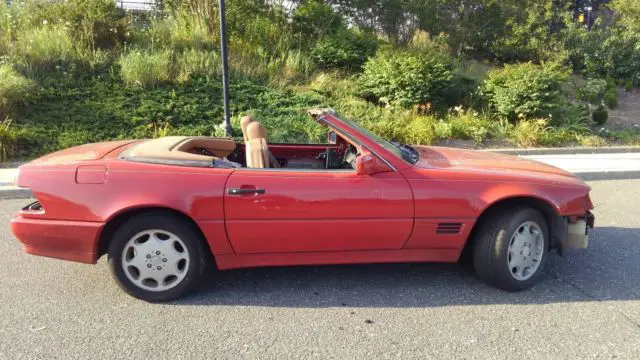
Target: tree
629	13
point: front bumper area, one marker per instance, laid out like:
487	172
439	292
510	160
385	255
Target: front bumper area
577	232
66	240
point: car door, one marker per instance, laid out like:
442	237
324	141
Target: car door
281	211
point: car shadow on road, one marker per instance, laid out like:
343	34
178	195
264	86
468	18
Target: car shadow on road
609	270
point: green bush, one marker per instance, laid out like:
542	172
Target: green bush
403	126
346	49
593	91
628	86
443	130
529	133
622	56
611	98
145	69
604	52
14	88
94	23
574	117
313	20
524	90
407	78
419	131
600	115
468	125
559	137
591	141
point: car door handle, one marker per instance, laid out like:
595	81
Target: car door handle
242	191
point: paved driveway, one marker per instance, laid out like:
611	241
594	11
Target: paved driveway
588	306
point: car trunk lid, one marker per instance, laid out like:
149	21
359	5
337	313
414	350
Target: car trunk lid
85	152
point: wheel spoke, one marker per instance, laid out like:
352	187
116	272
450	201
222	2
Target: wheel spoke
137	260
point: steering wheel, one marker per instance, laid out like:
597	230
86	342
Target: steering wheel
350	156
327	159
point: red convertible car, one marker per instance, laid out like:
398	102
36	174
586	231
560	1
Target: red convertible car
163	209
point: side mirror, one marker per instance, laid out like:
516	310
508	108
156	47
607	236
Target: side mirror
369	164
332	138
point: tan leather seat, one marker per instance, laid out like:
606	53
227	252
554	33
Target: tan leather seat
257	151
252	132
243	125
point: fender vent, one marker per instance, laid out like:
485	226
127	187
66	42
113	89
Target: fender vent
449	228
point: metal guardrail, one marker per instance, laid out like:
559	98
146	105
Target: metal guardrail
141	5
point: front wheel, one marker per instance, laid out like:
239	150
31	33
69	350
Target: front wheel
156	257
511	249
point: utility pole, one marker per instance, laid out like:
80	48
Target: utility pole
225	69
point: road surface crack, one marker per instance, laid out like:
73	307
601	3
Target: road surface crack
631	320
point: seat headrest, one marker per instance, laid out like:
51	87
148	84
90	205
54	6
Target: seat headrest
255	130
244	122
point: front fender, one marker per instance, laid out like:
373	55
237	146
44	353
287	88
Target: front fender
564	200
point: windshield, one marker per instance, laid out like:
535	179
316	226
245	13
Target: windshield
403	151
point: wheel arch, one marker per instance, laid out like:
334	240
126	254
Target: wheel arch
116	220
549	210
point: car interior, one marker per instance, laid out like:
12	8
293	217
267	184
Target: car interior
256	152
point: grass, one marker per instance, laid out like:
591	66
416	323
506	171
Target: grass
7	140
46	47
5	30
14	88
145	69
176	33
529	133
194	62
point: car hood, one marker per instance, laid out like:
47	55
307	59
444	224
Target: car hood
85	152
481	161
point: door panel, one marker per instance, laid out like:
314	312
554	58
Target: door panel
281	236
317	211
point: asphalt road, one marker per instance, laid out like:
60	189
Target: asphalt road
588	306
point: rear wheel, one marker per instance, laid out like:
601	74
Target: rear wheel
156	257
511	249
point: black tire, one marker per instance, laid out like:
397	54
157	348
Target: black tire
161	220
491	248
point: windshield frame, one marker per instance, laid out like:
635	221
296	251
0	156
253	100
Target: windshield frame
396	150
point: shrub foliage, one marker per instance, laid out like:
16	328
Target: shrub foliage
524	90
409	77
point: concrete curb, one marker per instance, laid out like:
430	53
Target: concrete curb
609	175
8	193
568	151
11	165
